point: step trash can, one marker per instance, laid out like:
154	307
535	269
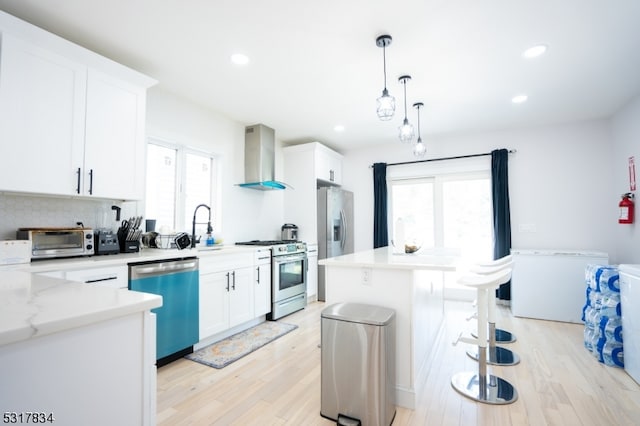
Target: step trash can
358	364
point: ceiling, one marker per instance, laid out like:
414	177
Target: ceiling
314	65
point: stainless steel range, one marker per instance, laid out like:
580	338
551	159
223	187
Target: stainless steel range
289	266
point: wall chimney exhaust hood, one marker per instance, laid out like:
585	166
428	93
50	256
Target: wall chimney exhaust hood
259	158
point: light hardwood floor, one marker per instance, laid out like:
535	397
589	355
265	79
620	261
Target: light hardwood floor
558	381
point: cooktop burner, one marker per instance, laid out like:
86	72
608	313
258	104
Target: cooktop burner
265	242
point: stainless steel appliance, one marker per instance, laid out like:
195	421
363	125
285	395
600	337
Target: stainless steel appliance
289	232
58	242
289	267
335	228
259	159
177	320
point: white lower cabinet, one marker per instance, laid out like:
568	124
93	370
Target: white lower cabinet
104	374
115	276
226	292
262	283
312	272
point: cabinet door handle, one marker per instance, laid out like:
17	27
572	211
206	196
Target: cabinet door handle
258	271
331	175
78	184
233	285
227	281
90	181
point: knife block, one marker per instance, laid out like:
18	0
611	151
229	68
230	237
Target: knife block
129	246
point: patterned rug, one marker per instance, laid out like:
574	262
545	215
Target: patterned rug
224	352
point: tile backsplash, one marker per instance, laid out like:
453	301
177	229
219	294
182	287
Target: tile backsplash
22	211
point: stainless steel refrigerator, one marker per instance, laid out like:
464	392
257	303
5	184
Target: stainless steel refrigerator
335	228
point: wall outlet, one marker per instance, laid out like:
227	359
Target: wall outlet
527	228
366	276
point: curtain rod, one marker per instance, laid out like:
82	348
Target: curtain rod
511	151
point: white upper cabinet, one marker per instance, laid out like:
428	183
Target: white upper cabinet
306	167
42	118
71	121
328	165
114	140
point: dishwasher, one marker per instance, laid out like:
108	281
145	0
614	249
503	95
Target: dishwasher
176	280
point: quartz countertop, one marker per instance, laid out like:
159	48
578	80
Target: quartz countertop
32	305
385	258
144	255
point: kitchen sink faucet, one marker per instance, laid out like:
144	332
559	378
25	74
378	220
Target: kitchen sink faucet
193	229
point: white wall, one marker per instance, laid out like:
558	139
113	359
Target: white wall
246	213
559	181
625	127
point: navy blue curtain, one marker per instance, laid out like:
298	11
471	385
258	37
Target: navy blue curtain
501	212
380	230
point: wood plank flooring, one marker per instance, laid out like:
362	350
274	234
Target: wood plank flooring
558	381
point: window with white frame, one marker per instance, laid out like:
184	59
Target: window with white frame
451	211
179	179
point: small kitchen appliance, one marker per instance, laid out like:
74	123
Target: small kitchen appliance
289	232
49	243
106	241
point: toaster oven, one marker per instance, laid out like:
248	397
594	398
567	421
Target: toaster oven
49	243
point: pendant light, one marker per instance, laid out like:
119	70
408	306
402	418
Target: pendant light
386	103
406	132
419	148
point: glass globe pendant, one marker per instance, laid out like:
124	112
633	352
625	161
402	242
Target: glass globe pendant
419	148
386	104
406	132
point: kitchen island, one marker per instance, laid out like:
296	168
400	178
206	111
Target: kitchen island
76	353
412	285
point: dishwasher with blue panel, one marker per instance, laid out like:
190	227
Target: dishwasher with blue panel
176	280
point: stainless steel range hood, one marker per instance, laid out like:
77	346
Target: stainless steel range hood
259	158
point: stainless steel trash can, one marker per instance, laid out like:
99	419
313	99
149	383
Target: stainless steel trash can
358	364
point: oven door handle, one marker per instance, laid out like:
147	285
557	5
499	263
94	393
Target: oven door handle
291	258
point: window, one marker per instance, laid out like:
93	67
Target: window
179	179
448	211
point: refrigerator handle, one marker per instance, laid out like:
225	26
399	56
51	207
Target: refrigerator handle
343	237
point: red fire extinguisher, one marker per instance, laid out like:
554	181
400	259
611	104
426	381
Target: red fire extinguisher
626	208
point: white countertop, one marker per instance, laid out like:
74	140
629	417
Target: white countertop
144	255
385	258
32	305
561	252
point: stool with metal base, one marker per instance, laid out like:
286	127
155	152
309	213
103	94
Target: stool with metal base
501	336
481	386
496	355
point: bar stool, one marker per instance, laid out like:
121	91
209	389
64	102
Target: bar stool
478	385
496	355
501	336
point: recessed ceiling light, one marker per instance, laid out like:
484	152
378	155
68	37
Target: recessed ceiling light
239	59
534	51
338	128
519	99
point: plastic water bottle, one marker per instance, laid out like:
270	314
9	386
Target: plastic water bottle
610	305
611	328
611	353
590	339
587	303
609	280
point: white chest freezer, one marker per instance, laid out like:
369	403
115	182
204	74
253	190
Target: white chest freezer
550	284
630	301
